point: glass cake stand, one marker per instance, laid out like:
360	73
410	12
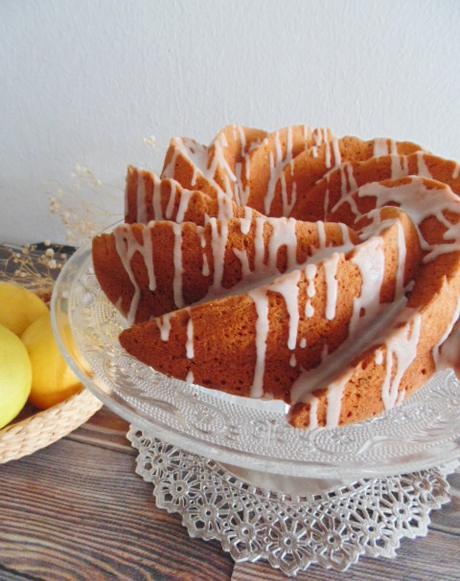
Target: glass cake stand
298	481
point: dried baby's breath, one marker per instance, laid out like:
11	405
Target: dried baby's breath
83	206
30	266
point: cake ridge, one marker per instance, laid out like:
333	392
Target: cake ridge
285	249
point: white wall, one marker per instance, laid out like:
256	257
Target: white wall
85	81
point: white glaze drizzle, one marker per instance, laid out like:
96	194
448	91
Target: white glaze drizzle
156	199
379	357
183	205
310	273
321	233
313	401
402	252
189	349
422	169
219	239
380	147
334	398
401	346
164	325
259	296
332	285
171	201
178	265
126	246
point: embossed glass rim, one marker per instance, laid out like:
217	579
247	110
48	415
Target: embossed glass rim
390	445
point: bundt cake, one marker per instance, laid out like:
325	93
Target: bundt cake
293	265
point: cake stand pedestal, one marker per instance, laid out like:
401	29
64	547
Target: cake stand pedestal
236	470
291	522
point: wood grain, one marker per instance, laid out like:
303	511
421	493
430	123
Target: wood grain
76	511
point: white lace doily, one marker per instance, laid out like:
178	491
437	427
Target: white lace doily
333	529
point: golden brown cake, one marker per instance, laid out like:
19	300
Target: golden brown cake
293	265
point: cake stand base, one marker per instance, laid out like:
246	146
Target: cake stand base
290	522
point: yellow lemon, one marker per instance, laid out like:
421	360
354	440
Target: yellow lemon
19	307
52	379
15	376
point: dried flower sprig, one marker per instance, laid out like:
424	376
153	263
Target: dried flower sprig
33	266
84	218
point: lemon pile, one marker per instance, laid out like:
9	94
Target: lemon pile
31	365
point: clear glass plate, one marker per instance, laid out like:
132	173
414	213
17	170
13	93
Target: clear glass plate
252	434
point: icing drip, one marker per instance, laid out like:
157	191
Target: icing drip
205	267
402	250
326	197
351	178
402	347
421	165
190	378
380	147
287	287
370	259
147	253
277	165
310	273
399	167
309	309
321	233
303	343
140	201
245	223
171	201
261	303
183	205
334	398
293	360
283	234
218	246
336	150
419	203
189	351
225	206
178	265
156	199
164	324
379	357
259	245
126	246
332	285
313	401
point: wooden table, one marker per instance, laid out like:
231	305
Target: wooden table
77	511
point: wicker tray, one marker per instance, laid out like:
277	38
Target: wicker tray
46	427
40	428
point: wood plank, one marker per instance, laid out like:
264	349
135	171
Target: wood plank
435	557
78	512
7	575
448	519
106	430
